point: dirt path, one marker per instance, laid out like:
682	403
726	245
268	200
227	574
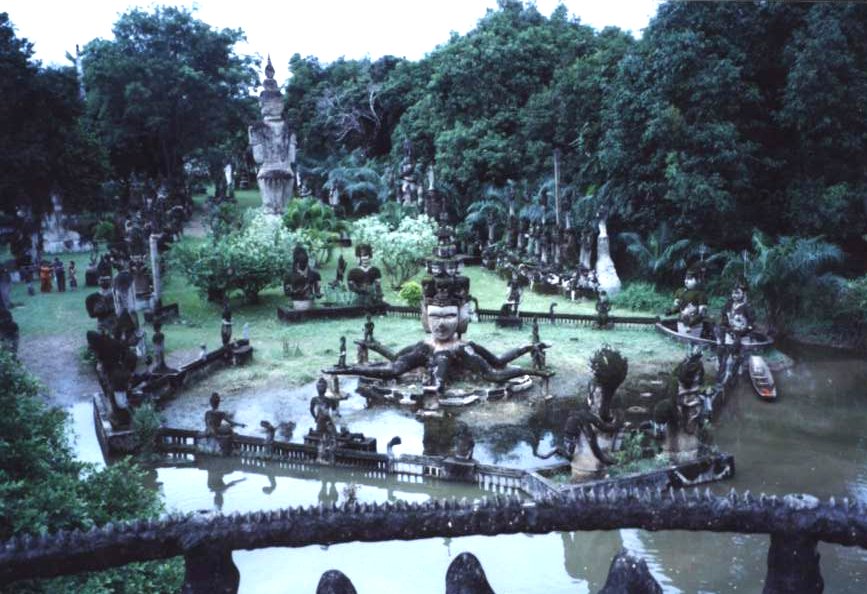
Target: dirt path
56	362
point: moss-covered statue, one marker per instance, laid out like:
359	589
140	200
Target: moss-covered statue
690	305
302	284
365	279
737	319
589	430
445	317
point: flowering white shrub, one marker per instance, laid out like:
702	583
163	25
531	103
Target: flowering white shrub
399	251
249	260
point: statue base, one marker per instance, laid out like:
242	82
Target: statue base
424	400
293	314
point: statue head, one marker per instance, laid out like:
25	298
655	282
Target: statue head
364	253
443	321
321	386
739	291
215	400
691	280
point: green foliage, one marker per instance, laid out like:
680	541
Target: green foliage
783	272
632	457
145	426
317	224
223	218
248	260
103	230
398	250
44	489
168	89
641	296
660	256
411	293
609	369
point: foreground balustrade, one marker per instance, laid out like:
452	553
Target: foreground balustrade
796	524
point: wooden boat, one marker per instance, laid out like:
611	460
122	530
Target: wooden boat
762	379
755	341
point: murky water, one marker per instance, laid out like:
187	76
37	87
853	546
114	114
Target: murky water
814	440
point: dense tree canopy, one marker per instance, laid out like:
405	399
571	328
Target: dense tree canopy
44	147
166	89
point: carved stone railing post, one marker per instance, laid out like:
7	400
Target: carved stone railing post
793	566
210	570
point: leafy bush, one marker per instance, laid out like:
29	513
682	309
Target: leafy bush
43	488
223	218
642	296
145	427
411	293
103	231
398	250
248	260
317	223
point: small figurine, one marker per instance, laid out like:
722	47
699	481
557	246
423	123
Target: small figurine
368	330
535	337
226	326
203	352
603	307
73	281
341	359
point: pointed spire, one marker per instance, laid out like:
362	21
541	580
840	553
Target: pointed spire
269	68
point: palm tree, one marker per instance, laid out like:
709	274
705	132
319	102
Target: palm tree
782	272
359	180
659	255
318	220
493	207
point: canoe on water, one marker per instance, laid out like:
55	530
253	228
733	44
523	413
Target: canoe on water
755	341
763	381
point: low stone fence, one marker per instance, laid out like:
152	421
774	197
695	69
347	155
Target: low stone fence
491	315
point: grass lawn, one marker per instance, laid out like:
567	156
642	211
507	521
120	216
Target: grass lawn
47	316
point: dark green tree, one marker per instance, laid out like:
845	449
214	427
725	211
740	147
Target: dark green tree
43	488
167	88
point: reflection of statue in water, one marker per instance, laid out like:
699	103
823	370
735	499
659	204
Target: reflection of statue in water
586	555
218	486
328	493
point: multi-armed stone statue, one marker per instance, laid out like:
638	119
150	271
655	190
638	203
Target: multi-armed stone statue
445	316
273	147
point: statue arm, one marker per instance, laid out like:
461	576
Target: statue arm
507	357
476	362
416	356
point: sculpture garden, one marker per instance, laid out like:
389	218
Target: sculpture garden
425	356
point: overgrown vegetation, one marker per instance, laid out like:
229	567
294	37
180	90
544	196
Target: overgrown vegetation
43	488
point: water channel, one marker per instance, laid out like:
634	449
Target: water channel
813	440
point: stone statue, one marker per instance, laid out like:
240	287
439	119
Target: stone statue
445	316
737	315
690	380
272	147
365	280
73	279
226	325
603	307
690	305
341	272
100	306
323	410
341	359
159	341
516	285
8	327
606	273
219	423
408	183
368	330
302	284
